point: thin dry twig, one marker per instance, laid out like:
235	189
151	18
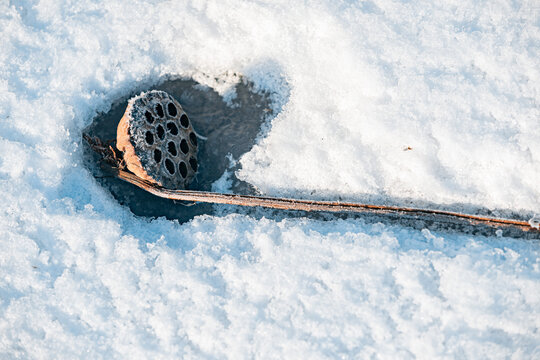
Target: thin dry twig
106	151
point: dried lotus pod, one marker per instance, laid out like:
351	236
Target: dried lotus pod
158	140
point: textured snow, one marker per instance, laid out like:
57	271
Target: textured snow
391	101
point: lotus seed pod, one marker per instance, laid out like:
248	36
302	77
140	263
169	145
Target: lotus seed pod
158	140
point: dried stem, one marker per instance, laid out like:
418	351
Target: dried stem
305	205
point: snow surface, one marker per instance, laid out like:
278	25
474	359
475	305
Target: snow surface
355	84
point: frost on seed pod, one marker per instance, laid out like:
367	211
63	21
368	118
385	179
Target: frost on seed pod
158	140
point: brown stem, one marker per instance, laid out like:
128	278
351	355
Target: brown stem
305	205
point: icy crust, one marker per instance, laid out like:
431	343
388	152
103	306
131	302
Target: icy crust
163	138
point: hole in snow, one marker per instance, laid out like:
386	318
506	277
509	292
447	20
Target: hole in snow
229	130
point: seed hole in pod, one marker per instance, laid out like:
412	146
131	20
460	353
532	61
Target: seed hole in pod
184	121
184	146
172	109
170	166
157	155
193	164
172	128
193	139
149	138
149	117
159	110
171	148
160	132
183	169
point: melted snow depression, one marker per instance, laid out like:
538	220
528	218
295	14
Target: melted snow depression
415	103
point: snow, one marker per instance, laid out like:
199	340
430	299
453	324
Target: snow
353	84
535	222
